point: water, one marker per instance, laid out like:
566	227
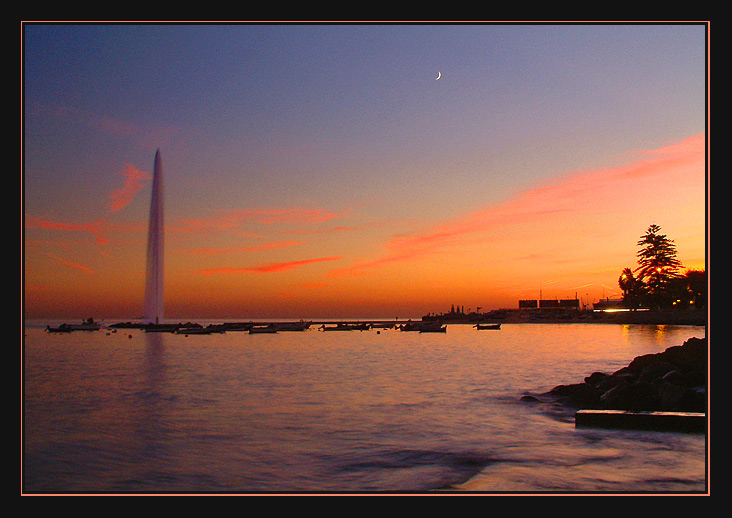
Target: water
338	412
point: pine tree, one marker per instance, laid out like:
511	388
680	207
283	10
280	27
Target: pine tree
657	262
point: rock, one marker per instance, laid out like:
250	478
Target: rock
673	380
530	399
655	371
596	378
671	396
636	397
580	395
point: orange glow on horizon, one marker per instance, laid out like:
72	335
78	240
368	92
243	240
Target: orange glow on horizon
572	236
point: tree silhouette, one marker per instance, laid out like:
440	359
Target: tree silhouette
657	262
633	289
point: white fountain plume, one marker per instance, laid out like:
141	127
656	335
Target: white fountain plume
154	274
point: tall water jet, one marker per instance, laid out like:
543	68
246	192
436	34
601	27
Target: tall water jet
154	273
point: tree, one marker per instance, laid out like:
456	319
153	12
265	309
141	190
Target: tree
633	289
658	265
689	290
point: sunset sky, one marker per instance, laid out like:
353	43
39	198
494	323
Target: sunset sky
323	171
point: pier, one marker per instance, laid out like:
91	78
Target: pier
691	422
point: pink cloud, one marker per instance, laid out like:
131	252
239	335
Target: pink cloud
234	218
267	246
267	268
134	182
69	263
95	228
581	194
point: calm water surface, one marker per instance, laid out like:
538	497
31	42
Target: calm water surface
338	412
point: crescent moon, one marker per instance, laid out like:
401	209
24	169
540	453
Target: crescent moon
439	75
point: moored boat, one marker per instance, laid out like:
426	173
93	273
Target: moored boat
346	327
238	326
160	328
432	327
63	328
409	326
487	326
198	329
271	328
87	325
293	326
383	325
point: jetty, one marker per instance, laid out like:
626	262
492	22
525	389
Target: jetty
690	422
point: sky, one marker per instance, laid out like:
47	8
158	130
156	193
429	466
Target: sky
356	170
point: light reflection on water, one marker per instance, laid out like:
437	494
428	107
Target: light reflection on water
354	411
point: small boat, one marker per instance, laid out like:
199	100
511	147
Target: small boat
198	329
160	328
86	325
383	325
435	327
271	328
423	327
338	327
409	326
346	327
293	326
63	328
238	326
487	326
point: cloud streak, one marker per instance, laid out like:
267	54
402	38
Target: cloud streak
232	219
95	228
573	195
266	268
135	181
267	246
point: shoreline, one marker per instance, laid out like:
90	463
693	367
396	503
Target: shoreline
648	317
656	391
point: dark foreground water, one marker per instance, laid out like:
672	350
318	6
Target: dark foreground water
338	412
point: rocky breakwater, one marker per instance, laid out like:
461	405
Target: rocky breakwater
674	380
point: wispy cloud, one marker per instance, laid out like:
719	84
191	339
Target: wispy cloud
95	228
573	195
134	181
266	268
233	219
69	263
266	246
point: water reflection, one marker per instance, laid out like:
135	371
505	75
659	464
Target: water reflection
659	336
240	412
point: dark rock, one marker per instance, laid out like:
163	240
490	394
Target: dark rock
596	378
655	371
530	399
636	397
580	395
673	380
